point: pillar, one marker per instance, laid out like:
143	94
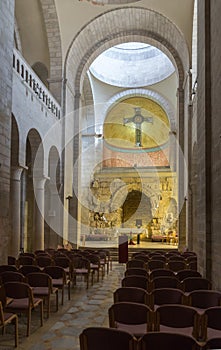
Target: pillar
15	210
39	191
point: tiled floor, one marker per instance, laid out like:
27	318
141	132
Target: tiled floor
61	331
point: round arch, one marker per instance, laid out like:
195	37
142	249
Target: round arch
152	95
97	36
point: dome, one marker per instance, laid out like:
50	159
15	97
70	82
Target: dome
132	65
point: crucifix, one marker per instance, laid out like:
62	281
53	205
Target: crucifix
138	119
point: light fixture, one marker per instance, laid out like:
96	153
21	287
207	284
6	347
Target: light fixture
98	136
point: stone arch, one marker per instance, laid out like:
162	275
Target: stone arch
36	161
95	37
152	95
121	193
54	165
55	51
14	143
41	71
52	202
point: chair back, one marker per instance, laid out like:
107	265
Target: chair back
211	325
25	269
4	268
166	341
155	264
10	276
176	265
160	272
39	279
136	271
135	263
182	274
44	260
26	260
19	290
165	282
163	296
203	299
131	294
130	313
136	281
176	316
95	337
195	283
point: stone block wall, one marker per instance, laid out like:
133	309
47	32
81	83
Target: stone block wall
6	55
215	142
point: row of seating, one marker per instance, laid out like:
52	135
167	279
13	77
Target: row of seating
95	337
152	264
159	320
29	286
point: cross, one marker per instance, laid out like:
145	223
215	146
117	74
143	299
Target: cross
138	119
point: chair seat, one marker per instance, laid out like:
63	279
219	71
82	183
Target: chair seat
57	282
80	271
41	291
179	330
19	304
136	329
213	333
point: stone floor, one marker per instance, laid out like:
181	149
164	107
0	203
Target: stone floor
87	307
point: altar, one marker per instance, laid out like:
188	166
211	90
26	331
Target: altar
130	232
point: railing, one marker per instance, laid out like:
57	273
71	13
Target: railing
30	79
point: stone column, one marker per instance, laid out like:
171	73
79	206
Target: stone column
15	210
181	172
172	150
39	192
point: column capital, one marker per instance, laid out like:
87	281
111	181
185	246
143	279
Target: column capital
39	182
16	172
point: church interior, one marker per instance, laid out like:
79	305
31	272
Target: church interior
109	128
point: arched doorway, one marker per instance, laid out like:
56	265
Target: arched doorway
136	210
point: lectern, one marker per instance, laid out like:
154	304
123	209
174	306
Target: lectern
123	249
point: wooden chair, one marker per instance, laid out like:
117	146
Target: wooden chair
204	299
195	283
211	323
178	318
155	264
22	301
160	272
136	271
135	263
166	341
25	269
9	318
165	282
176	265
59	280
134	318
182	274
42	287
131	294
101	338
213	343
4	268
10	276
163	296
26	260
81	267
44	260
135	281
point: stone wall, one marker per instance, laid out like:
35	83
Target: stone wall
6	55
215	146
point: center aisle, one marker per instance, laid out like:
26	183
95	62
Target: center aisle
86	308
